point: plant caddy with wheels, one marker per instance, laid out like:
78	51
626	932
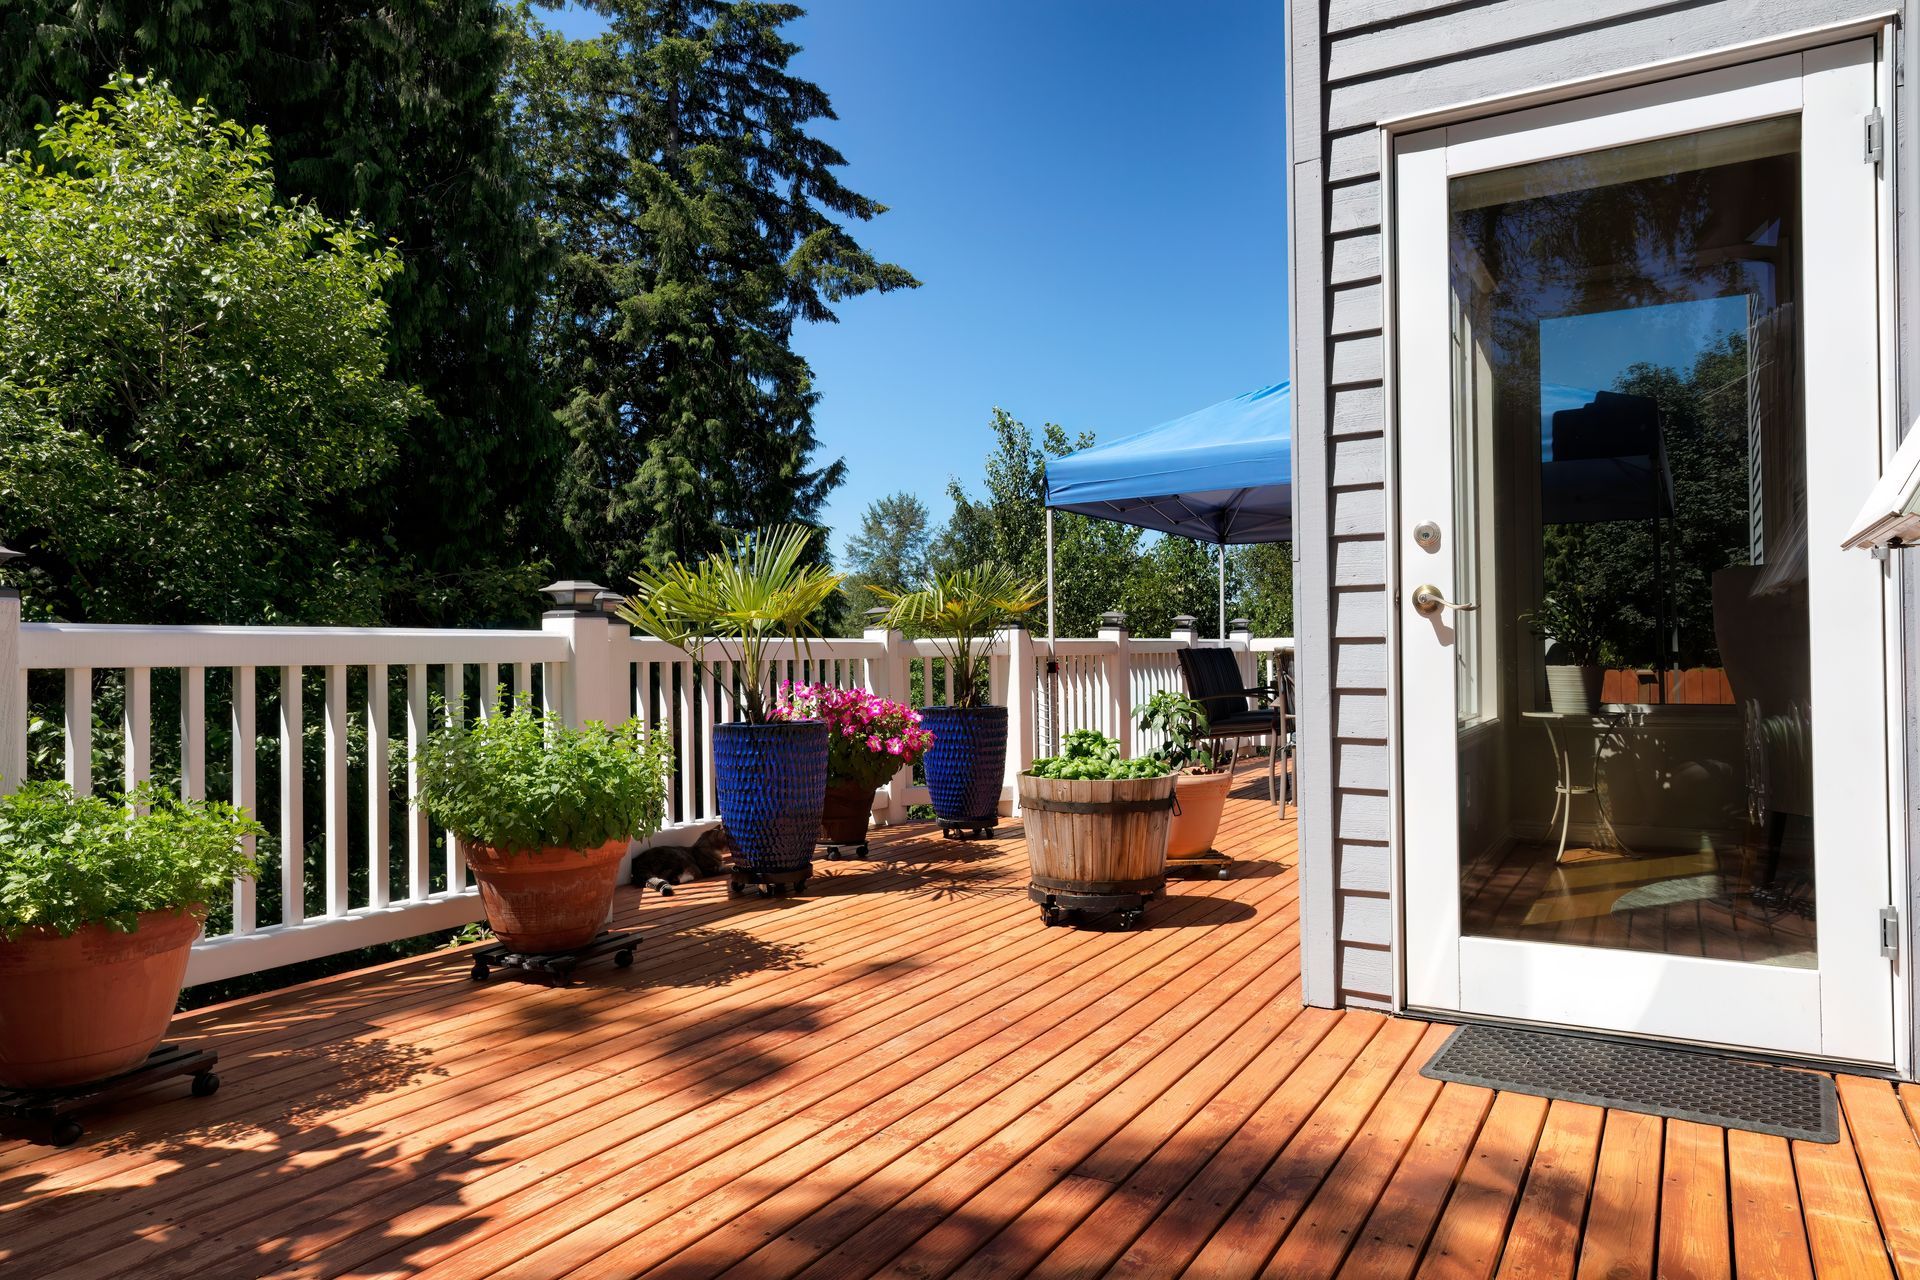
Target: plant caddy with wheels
1096	828
960	611
100	901
769	774
545	814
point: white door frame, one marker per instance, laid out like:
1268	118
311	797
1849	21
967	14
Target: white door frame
1844	1010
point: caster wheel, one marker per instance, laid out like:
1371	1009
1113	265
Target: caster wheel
623	958
946	832
67	1131
206	1084
1129	920
863	852
833	855
734	889
798	889
479	972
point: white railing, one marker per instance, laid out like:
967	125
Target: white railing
369	697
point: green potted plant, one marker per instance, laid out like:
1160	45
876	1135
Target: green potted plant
1200	775
1574	622
545	813
1096	829
100	901
770	775
960	611
869	739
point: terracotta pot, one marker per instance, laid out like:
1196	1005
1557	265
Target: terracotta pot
848	810
547	900
1201	798
91	1005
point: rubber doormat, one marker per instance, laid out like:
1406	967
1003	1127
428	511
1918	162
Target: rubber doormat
1676	1083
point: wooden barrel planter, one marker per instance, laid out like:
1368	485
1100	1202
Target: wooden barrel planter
1096	847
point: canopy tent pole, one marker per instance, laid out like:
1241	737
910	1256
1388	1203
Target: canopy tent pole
1053	666
1223	593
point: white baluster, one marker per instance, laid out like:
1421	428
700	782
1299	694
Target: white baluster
243	797
293	840
79	713
193	733
136	725
379	820
419	847
335	789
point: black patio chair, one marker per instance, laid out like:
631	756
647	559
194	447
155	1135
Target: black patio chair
1235	712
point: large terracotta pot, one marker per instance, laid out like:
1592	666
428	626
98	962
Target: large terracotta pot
1199	800
91	1005
547	900
848	810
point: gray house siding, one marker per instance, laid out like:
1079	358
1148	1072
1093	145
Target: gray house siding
1354	64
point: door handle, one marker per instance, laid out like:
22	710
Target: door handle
1428	600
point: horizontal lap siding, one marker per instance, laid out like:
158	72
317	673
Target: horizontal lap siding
1356	63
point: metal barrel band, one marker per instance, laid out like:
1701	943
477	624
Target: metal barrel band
1100	806
1096	888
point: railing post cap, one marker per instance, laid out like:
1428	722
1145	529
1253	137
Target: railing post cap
574	595
8	555
1113	620
1183	621
874	614
1240	624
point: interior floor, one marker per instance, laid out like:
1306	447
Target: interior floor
1699	903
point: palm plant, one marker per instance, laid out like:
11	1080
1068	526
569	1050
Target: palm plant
959	611
740	600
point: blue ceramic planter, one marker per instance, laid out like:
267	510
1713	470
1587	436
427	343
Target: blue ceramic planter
966	764
772	781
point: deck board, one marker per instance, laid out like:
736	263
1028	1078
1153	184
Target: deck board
903	1073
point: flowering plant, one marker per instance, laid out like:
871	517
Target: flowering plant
868	737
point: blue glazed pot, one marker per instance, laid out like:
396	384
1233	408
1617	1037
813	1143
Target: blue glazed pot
966	763
771	780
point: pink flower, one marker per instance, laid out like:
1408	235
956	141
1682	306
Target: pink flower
894	746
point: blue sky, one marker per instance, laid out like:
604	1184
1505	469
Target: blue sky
1092	193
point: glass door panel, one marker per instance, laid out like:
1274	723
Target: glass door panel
1627	399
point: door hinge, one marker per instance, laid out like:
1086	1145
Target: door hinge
1890	932
1876	136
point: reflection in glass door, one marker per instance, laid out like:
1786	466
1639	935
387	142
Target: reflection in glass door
1627	399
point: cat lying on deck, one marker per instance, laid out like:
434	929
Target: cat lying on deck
666	865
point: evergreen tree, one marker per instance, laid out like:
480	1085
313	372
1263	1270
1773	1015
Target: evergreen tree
698	222
889	551
390	113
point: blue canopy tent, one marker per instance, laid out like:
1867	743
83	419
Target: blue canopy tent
1222	475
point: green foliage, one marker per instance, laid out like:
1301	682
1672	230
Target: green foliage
697	221
1575	620
1182	724
960	609
389	114
1703	420
1087	755
890	548
68	860
1100	565
1260	587
742	599
191	375
518	781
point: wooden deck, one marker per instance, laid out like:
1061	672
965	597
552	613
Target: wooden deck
905	1073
